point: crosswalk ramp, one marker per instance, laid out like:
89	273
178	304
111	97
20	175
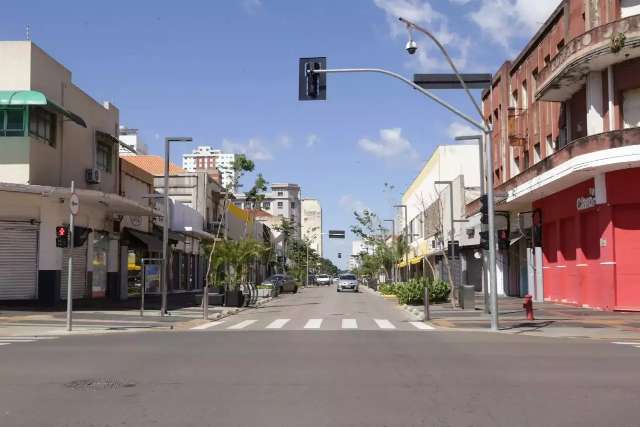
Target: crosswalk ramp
331	324
23	339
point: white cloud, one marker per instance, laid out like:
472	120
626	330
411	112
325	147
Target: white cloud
428	58
251	6
391	145
312	139
351	204
284	141
460	129
504	20
254	149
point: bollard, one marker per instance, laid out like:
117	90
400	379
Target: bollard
427	313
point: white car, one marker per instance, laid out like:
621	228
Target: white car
323	279
347	281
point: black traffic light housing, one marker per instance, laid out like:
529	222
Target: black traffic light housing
484	240
503	239
339	255
312	86
62	236
484	209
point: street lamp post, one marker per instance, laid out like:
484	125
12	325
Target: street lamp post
165	222
406	235
479	138
393	236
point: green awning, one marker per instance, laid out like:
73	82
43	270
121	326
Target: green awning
32	97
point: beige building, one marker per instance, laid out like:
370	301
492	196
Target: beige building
53	133
312	223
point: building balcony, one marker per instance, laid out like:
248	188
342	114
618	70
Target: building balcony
594	50
578	161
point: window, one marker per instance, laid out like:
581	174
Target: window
547	60
266	205
12	122
293	205
280	193
526	160
524	103
516	166
514	99
42	125
280	204
104	156
536	153
549	142
560	45
534	80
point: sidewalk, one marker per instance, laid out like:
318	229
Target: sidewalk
551	320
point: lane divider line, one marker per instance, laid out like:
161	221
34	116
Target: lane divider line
277	324
384	324
207	325
242	324
421	325
313	324
625	342
349	324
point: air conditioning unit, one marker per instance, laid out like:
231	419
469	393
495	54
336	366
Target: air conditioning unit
92	176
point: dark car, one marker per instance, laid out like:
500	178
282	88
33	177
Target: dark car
284	282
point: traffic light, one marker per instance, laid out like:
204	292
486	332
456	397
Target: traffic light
62	236
484	209
312	86
484	240
339	255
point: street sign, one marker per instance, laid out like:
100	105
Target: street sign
74	204
336	234
451	81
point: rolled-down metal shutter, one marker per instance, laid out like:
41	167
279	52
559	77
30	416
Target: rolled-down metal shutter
18	261
79	273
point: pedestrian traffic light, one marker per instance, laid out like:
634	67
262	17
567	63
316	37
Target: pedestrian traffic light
484	240
62	236
484	209
312	85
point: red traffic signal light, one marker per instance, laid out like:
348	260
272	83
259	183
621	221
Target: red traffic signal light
62	236
61	231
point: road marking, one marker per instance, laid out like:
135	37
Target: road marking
422	325
26	337
625	343
242	324
313	324
5	343
9	341
277	324
384	324
349	324
207	325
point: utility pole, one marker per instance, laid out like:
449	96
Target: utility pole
74	206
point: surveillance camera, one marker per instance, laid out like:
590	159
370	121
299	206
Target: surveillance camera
411	47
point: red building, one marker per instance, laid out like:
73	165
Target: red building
566	117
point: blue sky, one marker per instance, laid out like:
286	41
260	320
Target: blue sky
225	73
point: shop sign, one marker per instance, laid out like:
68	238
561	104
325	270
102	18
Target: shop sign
587	202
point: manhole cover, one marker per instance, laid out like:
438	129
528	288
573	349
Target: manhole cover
98	384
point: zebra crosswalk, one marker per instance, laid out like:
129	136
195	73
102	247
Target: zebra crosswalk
23	339
312	324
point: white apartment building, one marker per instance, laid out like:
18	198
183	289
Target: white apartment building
131	144
312	223
282	201
205	157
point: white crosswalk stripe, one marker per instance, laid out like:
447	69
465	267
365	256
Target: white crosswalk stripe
384	324
242	324
313	324
6	340
626	342
349	324
207	325
277	324
422	325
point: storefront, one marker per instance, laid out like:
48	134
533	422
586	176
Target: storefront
591	242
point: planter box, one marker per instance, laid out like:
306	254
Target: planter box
233	298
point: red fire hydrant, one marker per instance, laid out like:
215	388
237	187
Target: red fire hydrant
528	306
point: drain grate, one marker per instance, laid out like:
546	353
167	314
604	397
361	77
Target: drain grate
98	384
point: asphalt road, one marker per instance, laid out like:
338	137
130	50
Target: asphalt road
325	376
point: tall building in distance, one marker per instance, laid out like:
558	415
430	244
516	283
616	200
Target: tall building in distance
282	201
312	223
205	157
131	144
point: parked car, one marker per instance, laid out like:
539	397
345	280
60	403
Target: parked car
323	279
285	282
347	281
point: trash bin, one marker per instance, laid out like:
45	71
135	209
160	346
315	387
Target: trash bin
468	297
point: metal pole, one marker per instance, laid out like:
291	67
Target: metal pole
493	278
70	268
427	311
452	236
406	242
485	288
307	280
142	288
165	233
205	301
